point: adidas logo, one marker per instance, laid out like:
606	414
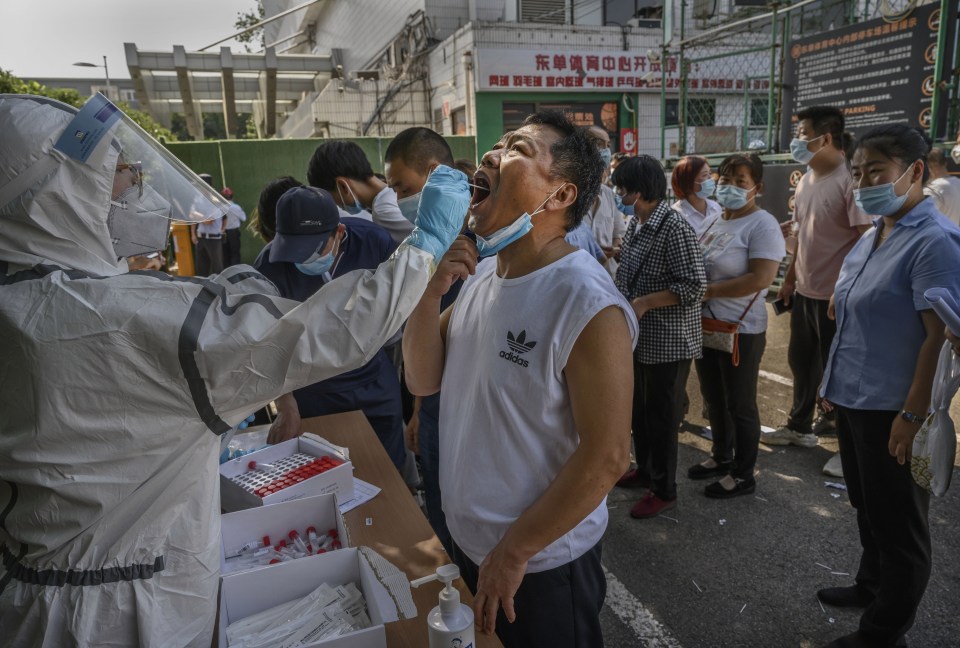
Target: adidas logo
518	346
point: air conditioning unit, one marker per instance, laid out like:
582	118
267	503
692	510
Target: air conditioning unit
544	11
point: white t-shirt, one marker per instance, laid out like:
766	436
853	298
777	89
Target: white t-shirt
946	194
387	215
728	246
505	415
699	222
607	223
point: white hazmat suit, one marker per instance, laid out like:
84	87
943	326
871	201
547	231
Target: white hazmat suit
115	387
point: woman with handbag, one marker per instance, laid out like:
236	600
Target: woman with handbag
661	273
880	373
742	251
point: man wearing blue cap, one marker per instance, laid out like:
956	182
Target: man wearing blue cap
313	246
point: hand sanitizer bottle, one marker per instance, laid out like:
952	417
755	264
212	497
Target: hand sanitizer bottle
450	624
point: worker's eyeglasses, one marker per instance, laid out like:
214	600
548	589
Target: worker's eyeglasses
137	169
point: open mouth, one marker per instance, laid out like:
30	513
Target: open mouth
481	190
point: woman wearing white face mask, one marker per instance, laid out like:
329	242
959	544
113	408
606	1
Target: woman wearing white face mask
693	184
880	373
742	251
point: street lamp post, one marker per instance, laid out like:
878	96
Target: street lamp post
106	72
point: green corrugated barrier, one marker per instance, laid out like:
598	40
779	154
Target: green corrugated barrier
246	166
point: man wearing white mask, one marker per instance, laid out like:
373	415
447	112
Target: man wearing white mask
342	168
116	387
408	161
829	225
534	360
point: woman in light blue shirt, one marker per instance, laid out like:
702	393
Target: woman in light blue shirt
880	373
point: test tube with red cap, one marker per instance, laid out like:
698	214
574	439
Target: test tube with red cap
261	466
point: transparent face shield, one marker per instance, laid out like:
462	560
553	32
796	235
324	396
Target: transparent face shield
151	187
189	199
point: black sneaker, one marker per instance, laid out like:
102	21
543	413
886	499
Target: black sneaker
741	487
699	471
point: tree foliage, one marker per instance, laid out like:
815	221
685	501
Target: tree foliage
11	84
247	19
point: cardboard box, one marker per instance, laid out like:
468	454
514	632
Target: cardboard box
247	593
319	511
337	480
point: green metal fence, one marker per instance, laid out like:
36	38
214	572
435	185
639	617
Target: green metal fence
732	65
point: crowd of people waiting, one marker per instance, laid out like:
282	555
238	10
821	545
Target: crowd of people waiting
564	318
697	272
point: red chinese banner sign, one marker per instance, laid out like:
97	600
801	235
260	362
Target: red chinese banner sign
595	71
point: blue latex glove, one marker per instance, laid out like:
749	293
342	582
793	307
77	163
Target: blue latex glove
228	454
442	210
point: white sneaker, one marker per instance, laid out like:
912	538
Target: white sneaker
834	467
785	436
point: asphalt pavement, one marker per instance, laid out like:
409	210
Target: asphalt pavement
744	572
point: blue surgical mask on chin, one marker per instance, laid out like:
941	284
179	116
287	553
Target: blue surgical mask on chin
800	151
881	200
490	245
408	206
733	197
707	187
354	209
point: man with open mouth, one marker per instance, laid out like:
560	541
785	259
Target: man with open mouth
534	364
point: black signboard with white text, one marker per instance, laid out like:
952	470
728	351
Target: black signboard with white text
878	72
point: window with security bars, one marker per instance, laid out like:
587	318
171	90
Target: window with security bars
544	11
759	111
701	112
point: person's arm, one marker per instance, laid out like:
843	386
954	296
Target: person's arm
259	346
424	336
918	398
688	278
599	375
954	341
193	234
287	424
411	431
760	274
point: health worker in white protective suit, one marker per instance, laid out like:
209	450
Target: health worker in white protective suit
116	386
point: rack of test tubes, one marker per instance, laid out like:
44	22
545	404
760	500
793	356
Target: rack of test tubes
256	553
264	479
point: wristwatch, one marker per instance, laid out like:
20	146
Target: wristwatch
910	417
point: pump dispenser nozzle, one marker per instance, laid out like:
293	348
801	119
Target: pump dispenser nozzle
450	619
